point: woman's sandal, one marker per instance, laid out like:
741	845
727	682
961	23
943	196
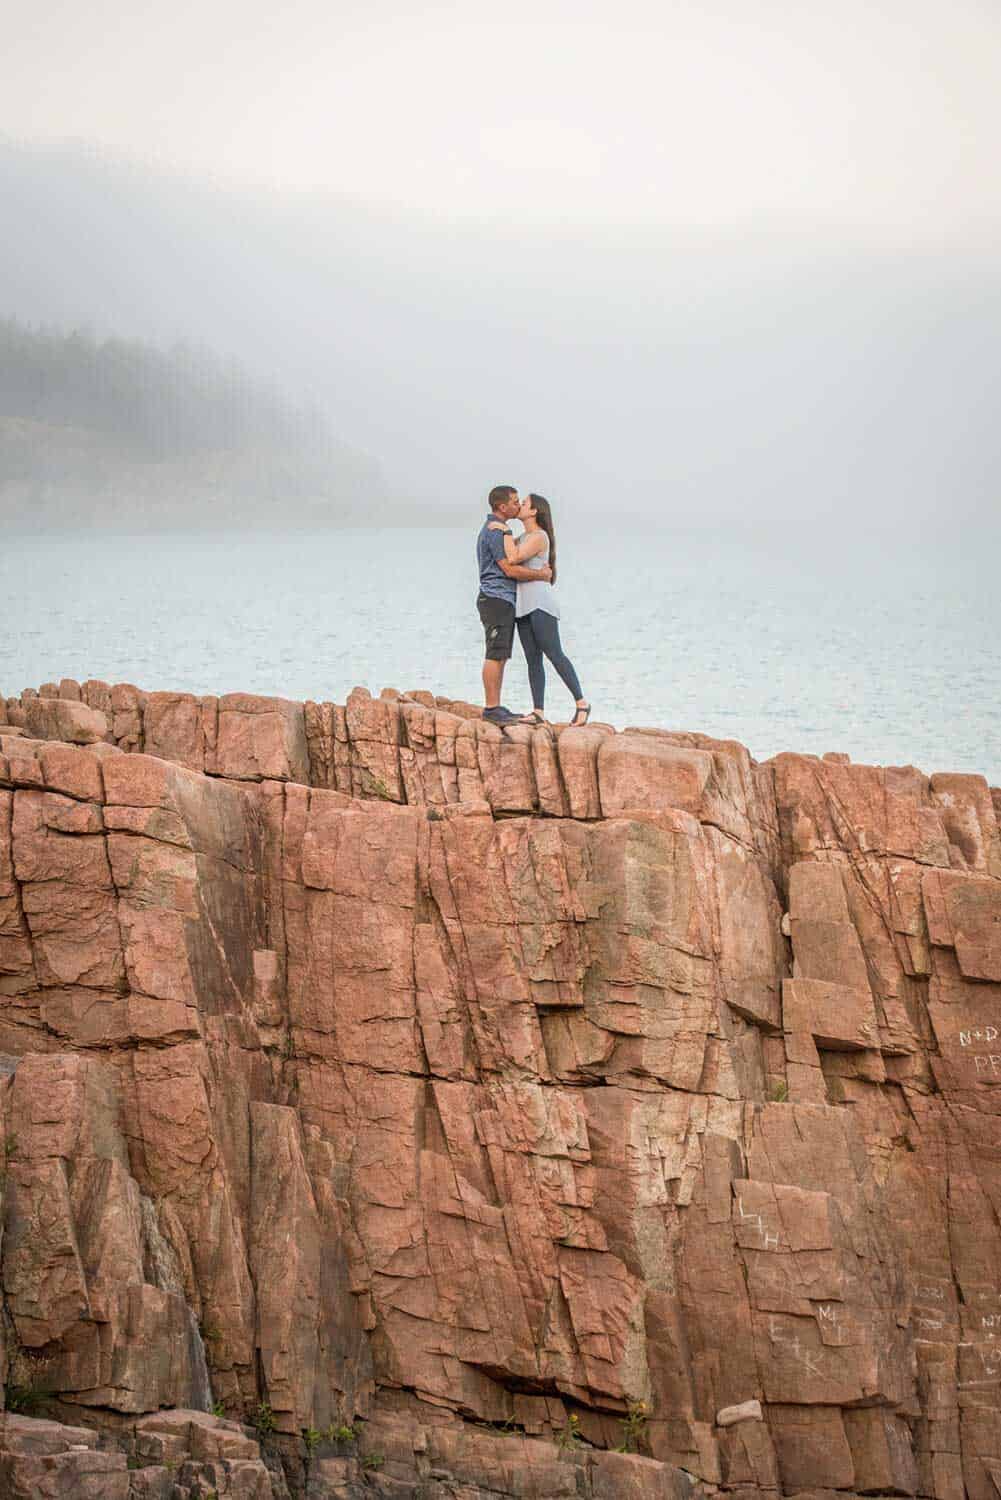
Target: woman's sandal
577	722
535	719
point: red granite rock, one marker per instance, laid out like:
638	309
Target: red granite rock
259	738
174	728
64	719
41	1460
507	1098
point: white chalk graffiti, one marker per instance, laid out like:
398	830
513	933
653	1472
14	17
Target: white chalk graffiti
978	1034
794	1346
990	1359
931	1319
987	1062
769	1241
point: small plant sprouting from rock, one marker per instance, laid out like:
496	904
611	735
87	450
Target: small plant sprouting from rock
27	1384
345	1433
569	1436
505	1428
779	1094
218	1409
25	1399
372	1461
263	1419
633	1428
312	1438
376	787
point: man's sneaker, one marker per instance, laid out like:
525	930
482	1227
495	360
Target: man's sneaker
499	716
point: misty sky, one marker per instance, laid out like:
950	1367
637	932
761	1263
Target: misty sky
720	258
872	122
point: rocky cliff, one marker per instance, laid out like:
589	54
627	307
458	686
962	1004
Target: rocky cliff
397	1107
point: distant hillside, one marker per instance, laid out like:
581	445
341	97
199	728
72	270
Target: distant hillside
119	432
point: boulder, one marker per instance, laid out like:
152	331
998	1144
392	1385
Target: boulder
64	719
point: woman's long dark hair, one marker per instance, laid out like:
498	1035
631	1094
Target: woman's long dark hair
544	516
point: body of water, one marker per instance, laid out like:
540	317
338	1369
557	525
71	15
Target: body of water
888	654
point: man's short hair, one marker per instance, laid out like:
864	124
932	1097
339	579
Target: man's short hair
500	495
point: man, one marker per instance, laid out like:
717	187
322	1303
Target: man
497	597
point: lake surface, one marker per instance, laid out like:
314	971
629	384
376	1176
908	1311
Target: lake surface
890	655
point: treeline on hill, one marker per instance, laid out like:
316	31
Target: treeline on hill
116	430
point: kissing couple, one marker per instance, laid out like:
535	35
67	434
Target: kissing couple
517	575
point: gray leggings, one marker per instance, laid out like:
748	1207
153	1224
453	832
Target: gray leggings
540	636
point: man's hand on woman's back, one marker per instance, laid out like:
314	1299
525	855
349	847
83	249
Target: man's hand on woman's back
538	575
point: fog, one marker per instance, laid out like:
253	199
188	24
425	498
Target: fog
717	263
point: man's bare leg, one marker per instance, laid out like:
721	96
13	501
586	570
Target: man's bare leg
493	678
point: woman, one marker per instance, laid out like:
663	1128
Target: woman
538	611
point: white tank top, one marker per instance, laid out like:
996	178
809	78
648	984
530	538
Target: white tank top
539	595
